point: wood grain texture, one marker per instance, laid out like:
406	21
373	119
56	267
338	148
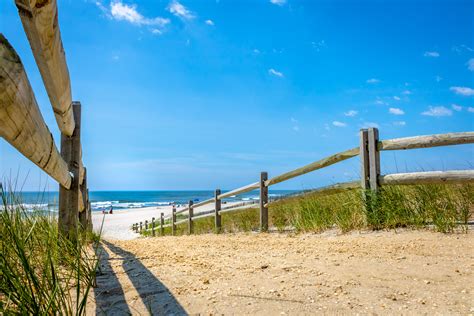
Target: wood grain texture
427	141
314	166
455	176
40	22
21	122
190	218
263	202
70	200
364	159
374	158
217	208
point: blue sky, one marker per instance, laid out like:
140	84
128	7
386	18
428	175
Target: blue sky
205	94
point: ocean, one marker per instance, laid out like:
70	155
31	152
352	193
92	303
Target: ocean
119	200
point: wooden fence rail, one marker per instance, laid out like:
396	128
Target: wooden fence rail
371	179
21	122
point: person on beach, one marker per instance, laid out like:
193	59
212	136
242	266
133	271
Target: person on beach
111	209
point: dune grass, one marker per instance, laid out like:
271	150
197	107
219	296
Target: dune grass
41	272
443	207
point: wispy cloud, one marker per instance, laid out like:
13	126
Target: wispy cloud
406	92
339	124
278	2
431	54
351	113
180	10
396	111
373	80
456	107
461	48
256	51
123	12
437	111
465	91
276	73
209	22
470	109
470	64
400	123
318	46
438	78
396	98
296	127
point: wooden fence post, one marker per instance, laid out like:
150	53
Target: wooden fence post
190	218
173	221
89	212
153	226
146	224
364	160
83	213
69	199
141	227
217	208
374	158
263	202
162	223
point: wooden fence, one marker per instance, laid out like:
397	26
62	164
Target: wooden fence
21	122
369	153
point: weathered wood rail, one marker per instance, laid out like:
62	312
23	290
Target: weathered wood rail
371	179
21	122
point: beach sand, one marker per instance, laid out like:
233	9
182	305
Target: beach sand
389	272
118	225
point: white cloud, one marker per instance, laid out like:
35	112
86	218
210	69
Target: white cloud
456	107
470	64
459	49
406	92
351	113
326	127
293	120
339	124
396	98
128	13
470	109
273	72
437	111
115	57
400	123
438	78
431	54
278	2
369	124
318	46
210	22
180	10
373	80
256	51
396	111
380	102
466	91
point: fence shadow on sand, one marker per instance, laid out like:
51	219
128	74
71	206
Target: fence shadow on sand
111	299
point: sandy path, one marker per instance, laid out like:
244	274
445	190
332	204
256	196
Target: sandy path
118	225
410	272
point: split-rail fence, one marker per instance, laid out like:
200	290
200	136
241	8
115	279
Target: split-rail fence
22	124
371	179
